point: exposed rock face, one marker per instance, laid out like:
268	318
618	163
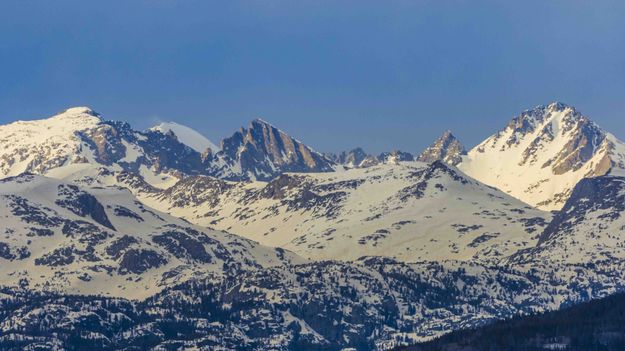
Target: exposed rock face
369	161
187	136
262	152
543	153
446	148
82	204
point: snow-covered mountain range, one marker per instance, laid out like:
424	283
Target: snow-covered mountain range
357	158
264	243
411	211
162	155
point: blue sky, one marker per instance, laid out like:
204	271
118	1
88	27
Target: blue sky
335	74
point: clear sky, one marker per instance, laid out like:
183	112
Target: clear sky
335	74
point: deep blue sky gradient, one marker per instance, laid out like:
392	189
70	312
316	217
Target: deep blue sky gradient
335	74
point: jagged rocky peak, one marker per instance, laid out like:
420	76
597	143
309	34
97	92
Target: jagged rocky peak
446	148
262	151
527	121
542	153
358	158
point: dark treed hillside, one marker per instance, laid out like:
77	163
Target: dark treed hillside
595	325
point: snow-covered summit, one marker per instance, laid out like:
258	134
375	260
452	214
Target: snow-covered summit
541	154
187	136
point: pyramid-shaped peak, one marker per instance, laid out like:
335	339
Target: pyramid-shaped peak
446	148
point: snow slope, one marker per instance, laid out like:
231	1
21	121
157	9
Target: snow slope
57	236
411	211
187	136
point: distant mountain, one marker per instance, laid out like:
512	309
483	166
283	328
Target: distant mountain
542	153
61	237
592	326
187	136
446	148
79	138
358	158
394	157
261	152
400	250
